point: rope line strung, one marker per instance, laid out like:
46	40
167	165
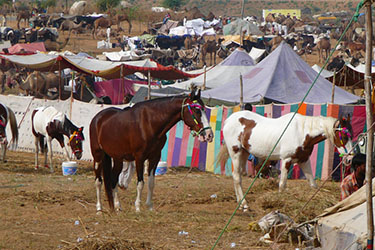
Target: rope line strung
355	16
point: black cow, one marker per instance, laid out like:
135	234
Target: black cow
167	42
336	64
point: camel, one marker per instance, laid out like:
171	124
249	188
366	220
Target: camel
25	15
188	43
102	22
39	84
354	47
323	44
210	47
274	42
123	17
55	45
270	18
70	26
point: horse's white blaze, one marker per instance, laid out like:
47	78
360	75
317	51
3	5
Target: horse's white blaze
209	136
247	132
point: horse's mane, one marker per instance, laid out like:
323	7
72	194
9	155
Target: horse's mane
159	100
68	126
320	123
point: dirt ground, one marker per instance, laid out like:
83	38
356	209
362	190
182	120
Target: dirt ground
40	210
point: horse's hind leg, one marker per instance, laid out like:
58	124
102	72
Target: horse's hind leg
98	186
151	180
36	152
4	146
306	168
239	160
49	144
140	184
117	168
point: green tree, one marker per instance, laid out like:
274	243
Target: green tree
5	2
104	5
173	4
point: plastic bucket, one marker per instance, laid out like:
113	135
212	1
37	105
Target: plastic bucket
69	167
161	168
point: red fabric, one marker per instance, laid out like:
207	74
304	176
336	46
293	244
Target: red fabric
28	47
114	89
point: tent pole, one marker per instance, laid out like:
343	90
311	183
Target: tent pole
369	121
149	85
60	82
241	97
333	86
204	77
71	95
122	84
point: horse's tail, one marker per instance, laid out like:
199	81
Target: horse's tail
107	174
223	154
13	127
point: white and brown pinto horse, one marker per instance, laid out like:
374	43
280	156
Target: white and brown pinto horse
247	132
52	124
7	115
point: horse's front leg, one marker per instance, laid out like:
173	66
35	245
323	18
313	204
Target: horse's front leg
49	148
286	164
306	168
239	161
140	183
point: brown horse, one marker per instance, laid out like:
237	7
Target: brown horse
7	115
139	134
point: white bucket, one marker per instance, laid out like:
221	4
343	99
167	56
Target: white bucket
69	167
161	168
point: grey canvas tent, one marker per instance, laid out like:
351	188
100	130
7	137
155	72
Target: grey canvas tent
281	77
239	62
344	226
238	26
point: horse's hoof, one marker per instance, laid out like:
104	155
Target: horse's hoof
99	212
36	167
46	166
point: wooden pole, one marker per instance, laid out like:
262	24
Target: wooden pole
369	121
60	82
71	95
149	85
204	77
241	96
333	87
122	84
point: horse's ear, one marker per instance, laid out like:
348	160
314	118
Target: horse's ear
192	93
199	94
80	129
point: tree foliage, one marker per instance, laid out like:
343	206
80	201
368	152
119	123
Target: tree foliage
173	4
105	5
5	2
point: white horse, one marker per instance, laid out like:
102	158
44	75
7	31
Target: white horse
247	132
52	124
